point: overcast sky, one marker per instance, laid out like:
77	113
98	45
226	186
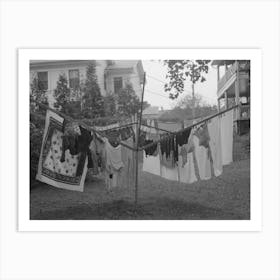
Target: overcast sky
154	89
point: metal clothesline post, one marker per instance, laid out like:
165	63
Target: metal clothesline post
138	130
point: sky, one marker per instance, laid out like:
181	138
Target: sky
154	89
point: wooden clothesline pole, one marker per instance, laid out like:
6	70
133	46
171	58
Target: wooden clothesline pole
138	130
190	127
79	122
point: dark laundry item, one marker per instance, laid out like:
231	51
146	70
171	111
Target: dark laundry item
76	144
69	139
169	147
90	161
175	148
164	145
126	133
182	137
83	148
151	151
142	138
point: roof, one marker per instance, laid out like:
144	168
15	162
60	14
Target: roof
152	110
222	62
122	64
127	66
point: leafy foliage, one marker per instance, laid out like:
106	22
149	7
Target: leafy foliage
183	109
61	94
128	103
93	102
37	93
36	128
178	71
110	105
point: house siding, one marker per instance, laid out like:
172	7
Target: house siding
56	69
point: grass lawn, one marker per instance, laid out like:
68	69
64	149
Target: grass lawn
223	197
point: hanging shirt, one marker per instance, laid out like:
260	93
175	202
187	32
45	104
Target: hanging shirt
94	156
227	136
113	164
182	137
127	173
151	164
152	150
215	145
113	156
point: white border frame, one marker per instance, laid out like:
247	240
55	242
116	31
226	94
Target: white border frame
254	224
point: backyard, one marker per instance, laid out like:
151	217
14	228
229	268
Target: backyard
226	197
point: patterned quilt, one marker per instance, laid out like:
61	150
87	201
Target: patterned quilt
50	169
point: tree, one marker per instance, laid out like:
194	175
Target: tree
93	103
110	105
38	94
128	104
187	103
36	125
62	94
181	70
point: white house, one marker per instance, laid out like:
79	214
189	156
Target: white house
112	75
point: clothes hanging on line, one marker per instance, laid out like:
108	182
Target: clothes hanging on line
169	173
182	137
203	159
227	136
186	170
215	145
113	164
127	173
196	153
50	168
152	150
94	156
151	164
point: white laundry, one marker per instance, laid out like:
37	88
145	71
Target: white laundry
215	145
203	160
151	164
186	173
227	136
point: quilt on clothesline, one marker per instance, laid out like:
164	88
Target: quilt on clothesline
50	168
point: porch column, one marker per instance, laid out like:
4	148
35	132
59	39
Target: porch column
237	90
226	99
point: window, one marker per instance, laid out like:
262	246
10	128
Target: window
74	79
42	80
118	84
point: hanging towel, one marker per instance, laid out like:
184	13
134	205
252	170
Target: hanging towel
186	172
169	173
227	136
215	145
50	168
203	159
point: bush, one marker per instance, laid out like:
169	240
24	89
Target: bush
36	137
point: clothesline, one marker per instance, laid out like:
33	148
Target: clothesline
79	122
167	131
189	127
